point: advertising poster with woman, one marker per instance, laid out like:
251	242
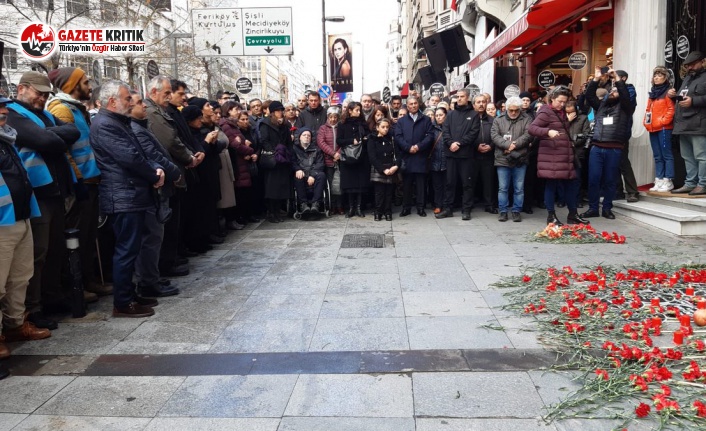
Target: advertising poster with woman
341	62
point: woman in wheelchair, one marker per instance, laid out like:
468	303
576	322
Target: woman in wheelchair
309	173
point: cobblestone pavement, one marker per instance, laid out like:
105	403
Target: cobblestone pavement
281	328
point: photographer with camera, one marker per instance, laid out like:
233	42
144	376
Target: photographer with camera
610	136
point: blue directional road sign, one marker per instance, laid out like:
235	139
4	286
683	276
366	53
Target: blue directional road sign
325	91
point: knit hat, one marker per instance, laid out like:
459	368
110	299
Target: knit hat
302	130
66	78
525	94
276	106
198	102
191	113
661	70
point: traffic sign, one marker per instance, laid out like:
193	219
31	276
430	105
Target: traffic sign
546	78
437	89
577	61
243	85
325	91
386	95
152	69
224	32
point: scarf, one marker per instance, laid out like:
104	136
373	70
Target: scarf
658	91
8	135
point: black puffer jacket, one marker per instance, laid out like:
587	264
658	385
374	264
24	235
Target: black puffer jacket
127	174
692	120
309	160
461	126
620	114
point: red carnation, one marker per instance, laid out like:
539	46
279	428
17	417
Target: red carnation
642	410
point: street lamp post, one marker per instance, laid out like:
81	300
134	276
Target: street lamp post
325	18
362	66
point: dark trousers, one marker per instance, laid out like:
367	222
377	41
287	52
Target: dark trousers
383	197
438	184
486	173
172	234
534	186
628	176
83	216
49	251
128	228
413	183
302	188
459	171
146	266
243	203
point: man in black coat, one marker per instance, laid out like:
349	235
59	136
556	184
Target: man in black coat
127	180
414	136
147	265
313	117
459	136
485	157
44	139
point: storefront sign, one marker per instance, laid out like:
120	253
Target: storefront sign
386	96
546	78
577	61
437	89
683	47
669	51
456	83
243	85
511	90
474	90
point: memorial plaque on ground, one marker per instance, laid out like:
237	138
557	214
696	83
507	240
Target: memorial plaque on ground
546	78
243	85
577	61
437	89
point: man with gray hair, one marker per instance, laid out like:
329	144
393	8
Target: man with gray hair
459	136
128	177
164	128
511	139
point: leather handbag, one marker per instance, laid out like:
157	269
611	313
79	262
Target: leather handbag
351	154
267	159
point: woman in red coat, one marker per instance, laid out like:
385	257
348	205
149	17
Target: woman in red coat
555	158
241	154
326	141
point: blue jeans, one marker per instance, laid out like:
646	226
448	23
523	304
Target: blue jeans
693	150
603	172
128	229
517	176
662	151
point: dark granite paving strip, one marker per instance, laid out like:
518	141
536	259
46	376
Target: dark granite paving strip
360	362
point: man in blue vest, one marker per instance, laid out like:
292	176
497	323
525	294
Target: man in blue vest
17	205
43	140
73	89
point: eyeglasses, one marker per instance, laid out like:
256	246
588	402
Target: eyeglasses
40	93
513	110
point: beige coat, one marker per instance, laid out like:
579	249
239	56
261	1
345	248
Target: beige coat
227	177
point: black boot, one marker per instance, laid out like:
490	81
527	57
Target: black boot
358	205
551	218
378	216
575	218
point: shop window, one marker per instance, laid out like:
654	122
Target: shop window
111	69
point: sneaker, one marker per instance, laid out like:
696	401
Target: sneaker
26	332
666	185
516	217
658	184
315	207
502	216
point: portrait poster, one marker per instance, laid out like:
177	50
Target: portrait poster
341	61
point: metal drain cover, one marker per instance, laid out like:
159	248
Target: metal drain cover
363	240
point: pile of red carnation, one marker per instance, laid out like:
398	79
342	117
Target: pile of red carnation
576	234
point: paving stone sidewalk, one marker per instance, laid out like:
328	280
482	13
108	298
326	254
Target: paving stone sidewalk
282	329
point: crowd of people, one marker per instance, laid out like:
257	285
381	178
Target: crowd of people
173	173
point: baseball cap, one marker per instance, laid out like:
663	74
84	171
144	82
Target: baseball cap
36	80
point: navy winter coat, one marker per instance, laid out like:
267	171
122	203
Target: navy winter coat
127	174
156	153
409	133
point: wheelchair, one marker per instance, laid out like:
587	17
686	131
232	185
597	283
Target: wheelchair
324	204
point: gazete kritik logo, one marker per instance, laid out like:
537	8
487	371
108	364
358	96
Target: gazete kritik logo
40	41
